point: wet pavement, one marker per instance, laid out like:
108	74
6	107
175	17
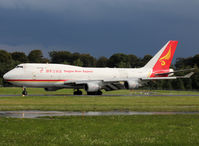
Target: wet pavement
37	114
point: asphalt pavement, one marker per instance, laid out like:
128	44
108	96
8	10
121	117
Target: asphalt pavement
11	95
48	114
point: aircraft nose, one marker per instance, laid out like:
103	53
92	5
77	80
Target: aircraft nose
7	76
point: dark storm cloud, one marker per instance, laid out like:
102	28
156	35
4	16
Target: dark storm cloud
100	27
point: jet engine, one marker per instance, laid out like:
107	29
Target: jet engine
132	84
171	70
92	87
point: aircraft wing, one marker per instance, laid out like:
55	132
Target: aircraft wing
96	81
106	81
108	85
116	84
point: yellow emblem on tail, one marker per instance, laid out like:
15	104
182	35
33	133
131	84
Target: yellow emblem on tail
166	57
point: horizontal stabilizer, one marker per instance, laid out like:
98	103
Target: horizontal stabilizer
184	70
169	78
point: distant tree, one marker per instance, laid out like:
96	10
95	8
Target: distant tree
45	60
124	65
195	78
61	57
65	62
167	85
159	84
187	84
180	63
1	81
196	60
78	62
152	85
88	60
178	84
75	56
102	62
6	62
5	57
189	62
145	60
35	56
133	61
20	57
116	59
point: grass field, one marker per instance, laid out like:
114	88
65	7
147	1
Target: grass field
104	130
98	103
101	130
17	91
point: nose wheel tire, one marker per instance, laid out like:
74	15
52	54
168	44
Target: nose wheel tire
24	92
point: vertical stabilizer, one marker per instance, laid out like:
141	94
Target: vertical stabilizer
162	60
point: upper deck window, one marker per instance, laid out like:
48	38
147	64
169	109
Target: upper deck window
19	66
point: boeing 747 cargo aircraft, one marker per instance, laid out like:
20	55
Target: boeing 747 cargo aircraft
52	77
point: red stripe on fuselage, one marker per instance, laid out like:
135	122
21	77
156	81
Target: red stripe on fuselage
28	80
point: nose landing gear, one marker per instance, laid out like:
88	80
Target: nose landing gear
24	92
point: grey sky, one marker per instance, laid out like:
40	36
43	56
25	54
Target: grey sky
100	27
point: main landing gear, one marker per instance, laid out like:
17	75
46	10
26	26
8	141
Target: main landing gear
95	93
24	92
77	92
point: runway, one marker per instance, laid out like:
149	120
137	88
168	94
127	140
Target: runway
37	114
13	95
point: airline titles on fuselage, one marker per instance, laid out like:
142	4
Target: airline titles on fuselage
64	71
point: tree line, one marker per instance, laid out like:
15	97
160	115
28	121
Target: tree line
9	60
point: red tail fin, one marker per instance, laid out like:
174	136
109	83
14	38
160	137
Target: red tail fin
164	61
161	62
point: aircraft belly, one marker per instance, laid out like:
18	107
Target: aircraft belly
37	84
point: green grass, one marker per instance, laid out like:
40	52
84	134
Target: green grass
100	103
17	91
97	103
104	130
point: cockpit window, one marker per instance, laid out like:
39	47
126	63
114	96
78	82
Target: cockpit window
19	66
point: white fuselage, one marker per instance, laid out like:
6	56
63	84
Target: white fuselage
55	75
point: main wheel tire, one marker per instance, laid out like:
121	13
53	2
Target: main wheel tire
90	93
95	93
78	92
99	92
